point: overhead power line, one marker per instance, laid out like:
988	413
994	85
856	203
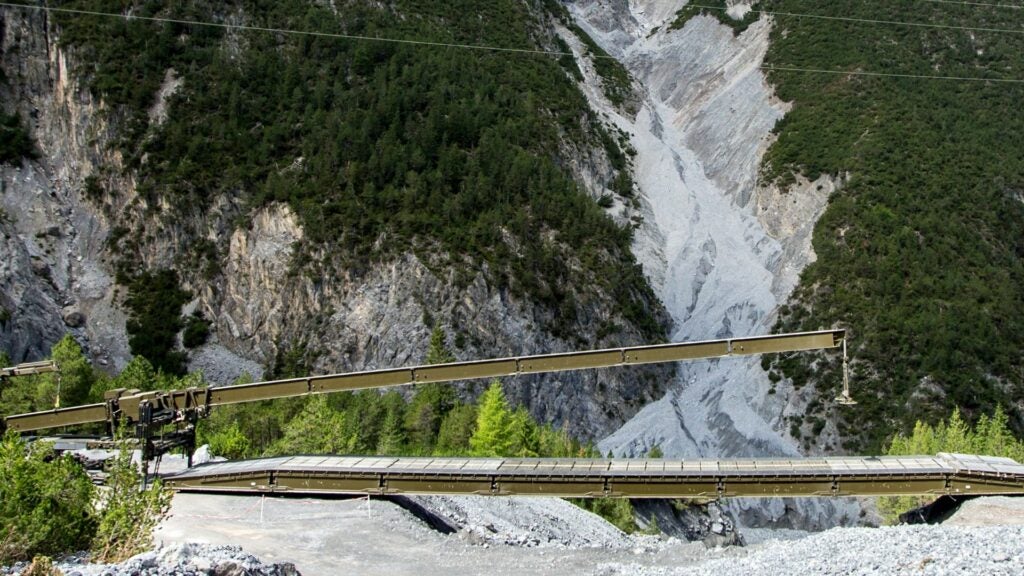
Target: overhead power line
891	74
478	47
870	20
247	27
986	4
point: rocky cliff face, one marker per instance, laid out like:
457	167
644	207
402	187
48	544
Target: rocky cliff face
721	251
56	267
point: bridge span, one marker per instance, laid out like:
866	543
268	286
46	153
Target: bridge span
953	474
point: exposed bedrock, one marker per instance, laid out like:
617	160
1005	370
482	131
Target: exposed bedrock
721	251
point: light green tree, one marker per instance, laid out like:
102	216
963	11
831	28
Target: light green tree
76	373
492	436
391	438
129	513
990	437
138	374
229	442
40	392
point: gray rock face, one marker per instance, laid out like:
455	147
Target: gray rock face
54	274
721	251
55	257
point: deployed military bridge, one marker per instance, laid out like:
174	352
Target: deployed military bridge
165	419
945	474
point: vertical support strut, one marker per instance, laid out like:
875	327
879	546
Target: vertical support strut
143	431
844	397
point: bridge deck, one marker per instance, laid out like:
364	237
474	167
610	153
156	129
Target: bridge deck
633	478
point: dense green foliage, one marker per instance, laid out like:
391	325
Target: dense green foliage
433	421
15	143
197	331
380	148
46	503
616	83
716	9
921	253
154	305
74	384
990	437
80	383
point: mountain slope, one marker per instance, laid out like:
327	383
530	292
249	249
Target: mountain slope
322	201
921	254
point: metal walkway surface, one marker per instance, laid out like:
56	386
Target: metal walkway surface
957	474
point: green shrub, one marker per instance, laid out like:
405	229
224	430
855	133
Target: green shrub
230	443
717	10
617	511
128	514
197	331
46	502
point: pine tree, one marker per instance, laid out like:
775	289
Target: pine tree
432	401
492	436
317	429
138	374
990	437
957	436
76	373
391	436
437	352
456	429
523	435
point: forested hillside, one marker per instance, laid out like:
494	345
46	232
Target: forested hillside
382	149
921	253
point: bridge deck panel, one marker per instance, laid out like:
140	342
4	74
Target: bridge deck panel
956	474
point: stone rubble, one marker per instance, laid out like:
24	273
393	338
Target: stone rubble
926	550
174	560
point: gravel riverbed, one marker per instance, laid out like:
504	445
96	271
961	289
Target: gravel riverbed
246	536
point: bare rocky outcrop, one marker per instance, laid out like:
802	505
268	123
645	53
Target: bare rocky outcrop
53	253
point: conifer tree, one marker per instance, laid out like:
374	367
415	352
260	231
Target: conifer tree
990	437
391	437
317	429
523	435
456	429
432	401
438	352
76	373
492	436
